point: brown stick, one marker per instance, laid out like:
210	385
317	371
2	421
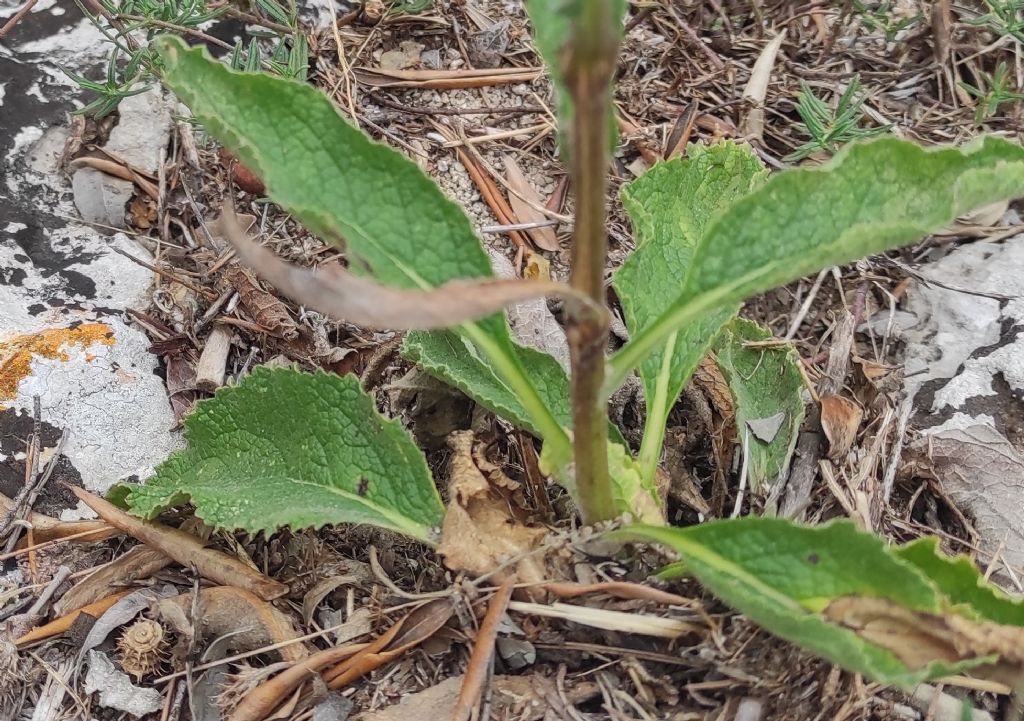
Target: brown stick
46	528
263	699
186	549
9	25
488	190
480	660
62	624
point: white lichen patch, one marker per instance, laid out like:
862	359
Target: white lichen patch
64	336
959	335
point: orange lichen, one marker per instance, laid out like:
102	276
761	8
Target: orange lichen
17	352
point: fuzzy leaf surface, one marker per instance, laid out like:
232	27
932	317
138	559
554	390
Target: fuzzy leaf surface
339	182
958	579
293	449
764	382
448	356
670	206
869	198
783	575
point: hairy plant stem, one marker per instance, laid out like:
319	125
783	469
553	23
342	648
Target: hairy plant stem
590	65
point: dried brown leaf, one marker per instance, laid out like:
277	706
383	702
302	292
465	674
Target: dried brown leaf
414	629
265	307
262	700
343	295
138	563
479	532
525	201
840	419
917	638
250	622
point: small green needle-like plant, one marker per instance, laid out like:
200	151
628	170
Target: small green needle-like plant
992	92
713	228
831	128
882	16
1004	17
130	25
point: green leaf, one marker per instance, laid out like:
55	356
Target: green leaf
449	357
285	448
782	575
871	197
959	580
395	222
765	382
632	492
670	206
338	181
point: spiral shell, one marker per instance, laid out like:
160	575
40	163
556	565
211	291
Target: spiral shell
142	647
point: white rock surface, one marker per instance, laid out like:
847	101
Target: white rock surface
58	276
116	689
101	198
965	372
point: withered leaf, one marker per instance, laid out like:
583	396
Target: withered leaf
479	532
266	309
840	419
338	293
918	638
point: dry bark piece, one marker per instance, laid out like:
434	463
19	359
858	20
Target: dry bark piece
62	624
840	419
478	532
265	307
250	622
524	200
186	549
212	365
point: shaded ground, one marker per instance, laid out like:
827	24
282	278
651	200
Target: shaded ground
684	71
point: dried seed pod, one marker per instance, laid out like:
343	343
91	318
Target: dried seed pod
142	647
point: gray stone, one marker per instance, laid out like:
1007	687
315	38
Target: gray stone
101	198
965	375
143	129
